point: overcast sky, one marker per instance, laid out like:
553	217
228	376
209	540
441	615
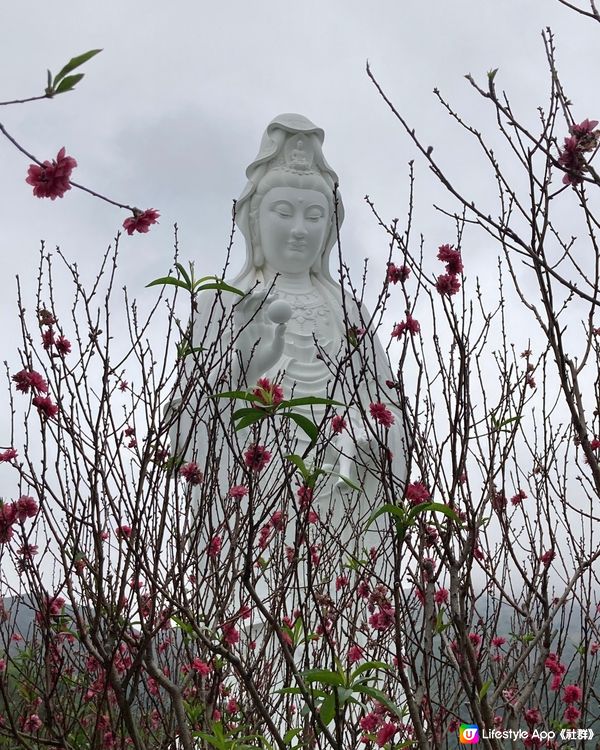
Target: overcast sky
172	111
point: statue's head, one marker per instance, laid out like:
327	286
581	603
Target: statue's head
287	211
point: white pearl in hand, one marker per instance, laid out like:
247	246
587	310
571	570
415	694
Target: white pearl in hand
279	311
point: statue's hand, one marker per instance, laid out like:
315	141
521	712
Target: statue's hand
261	320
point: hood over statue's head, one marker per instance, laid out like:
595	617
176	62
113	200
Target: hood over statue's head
290	155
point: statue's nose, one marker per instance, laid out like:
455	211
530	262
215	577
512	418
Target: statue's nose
299	228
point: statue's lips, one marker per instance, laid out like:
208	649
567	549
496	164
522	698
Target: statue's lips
297	247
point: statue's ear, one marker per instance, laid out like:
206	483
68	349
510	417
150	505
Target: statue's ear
258	257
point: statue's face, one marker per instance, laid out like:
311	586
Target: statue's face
293	224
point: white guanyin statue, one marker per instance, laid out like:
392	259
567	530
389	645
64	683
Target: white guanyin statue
281	550
296	326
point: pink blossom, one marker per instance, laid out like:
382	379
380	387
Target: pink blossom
277	520
267	393
191	473
232	706
338	424
257	457
452	258
572	694
26	379
370	722
383	619
63	346
447	284
123	385
45	406
141	221
48	339
409	325
51	179
201	667
230	634
475	639
572	715
46	318
214	547
498	641
594	648
417	493
123	532
385	734
305	496
26	507
547	557
583	129
238	490
382	414
518	498
8	455
397	274
32	723
441	596
355	653
341	582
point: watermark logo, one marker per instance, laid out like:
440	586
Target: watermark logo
468	734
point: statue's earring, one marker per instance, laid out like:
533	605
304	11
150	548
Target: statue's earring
257	254
259	257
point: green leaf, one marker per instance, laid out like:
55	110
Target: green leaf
247	421
75	62
184	273
393	510
244	395
326	676
366	667
436	508
312	400
186	627
221	285
297	461
245	411
305	424
484	689
68	83
327	709
382	698
345	480
169	280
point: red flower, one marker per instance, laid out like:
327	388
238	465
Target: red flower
498	641
8	455
201	667
338	424
257	457
214	547
548	556
355	653
123	532
385	734
45	407
383	619
532	716
238	490
27	379
48	338
519	497
572	715
441	596
63	345
51	179
417	493
572	694
191	473
230	633
26	507
410	324
382	414
397	274
447	284
451	258
141	221
267	393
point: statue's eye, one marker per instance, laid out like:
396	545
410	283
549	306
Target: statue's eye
314	216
